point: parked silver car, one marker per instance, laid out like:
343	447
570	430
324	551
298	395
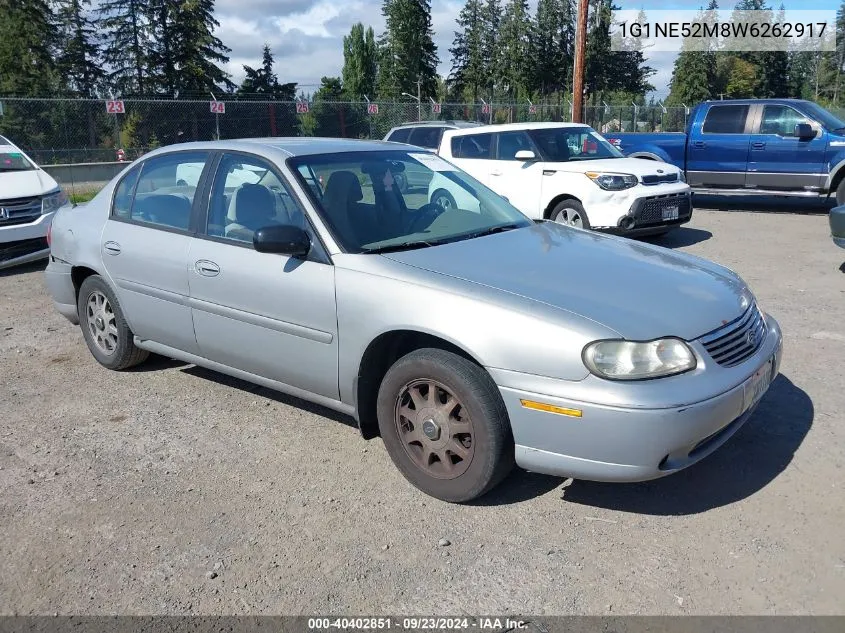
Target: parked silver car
467	339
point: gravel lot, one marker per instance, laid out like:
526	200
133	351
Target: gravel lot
172	489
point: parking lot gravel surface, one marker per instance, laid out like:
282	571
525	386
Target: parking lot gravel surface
173	489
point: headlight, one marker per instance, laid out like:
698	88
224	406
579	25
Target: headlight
612	182
681	177
631	360
53	201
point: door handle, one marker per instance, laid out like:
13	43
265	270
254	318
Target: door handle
112	248
758	145
699	144
207	268
495	173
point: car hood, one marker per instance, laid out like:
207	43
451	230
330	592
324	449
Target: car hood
23	184
639	290
636	166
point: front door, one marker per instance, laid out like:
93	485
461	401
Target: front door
717	152
780	160
270	315
145	247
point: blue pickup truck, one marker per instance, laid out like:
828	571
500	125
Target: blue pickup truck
783	147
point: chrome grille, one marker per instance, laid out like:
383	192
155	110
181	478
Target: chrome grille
659	179
651	209
737	341
19	210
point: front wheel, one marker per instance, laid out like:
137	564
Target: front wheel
444	425
570	212
840	193
444	200
105	330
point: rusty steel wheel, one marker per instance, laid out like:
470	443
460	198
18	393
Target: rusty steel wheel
444	424
435	429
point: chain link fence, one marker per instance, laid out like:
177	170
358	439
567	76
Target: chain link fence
65	131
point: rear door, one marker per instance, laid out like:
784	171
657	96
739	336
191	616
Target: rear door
473	153
145	245
517	180
780	160
717	154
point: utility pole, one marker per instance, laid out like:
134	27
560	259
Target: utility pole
578	72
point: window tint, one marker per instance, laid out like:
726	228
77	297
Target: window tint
471	146
248	195
400	136
780	120
123	194
572	143
426	136
166	187
727	119
512	142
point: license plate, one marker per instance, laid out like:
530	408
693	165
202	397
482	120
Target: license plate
670	213
756	386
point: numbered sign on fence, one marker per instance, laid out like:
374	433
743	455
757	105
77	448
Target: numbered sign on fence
372	108
302	107
532	109
485	109
115	107
436	108
217	107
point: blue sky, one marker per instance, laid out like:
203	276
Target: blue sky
307	35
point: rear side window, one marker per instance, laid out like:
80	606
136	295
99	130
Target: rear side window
164	193
400	136
428	137
726	119
472	146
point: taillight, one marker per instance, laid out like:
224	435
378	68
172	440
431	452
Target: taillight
49	234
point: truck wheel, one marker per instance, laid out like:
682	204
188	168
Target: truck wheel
570	212
106	333
444	425
840	193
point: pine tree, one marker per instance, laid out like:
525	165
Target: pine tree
27	45
360	63
597	69
123	28
492	19
513	65
468	74
407	51
694	70
552	44
78	60
263	80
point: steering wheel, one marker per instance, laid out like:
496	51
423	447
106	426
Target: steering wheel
423	217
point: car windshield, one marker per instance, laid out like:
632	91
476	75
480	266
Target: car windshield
572	143
829	121
13	161
397	200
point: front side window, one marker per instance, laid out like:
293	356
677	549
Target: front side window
509	143
248	195
780	120
367	211
726	119
167	184
560	144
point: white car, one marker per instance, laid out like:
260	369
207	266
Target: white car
568	173
28	199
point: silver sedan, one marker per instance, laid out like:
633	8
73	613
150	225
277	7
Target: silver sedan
468	339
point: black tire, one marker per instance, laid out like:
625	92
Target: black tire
840	193
478	398
124	354
562	208
442	196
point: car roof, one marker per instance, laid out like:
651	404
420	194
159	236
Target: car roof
510	127
447	123
291	146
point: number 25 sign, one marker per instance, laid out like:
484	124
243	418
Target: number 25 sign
115	107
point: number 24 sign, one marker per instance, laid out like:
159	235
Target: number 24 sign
217	107
115	107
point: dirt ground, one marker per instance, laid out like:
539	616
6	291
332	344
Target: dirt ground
172	489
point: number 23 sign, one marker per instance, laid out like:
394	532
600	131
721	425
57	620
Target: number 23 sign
115	107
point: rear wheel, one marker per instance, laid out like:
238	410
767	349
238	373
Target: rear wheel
444	425
570	212
105	330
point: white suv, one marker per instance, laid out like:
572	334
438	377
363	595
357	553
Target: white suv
568	173
29	197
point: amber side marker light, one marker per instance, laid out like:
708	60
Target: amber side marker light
550	408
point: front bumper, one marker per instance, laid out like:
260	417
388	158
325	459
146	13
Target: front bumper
613	443
24	243
638	210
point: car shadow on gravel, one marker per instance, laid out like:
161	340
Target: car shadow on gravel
682	236
270	394
755	456
764	204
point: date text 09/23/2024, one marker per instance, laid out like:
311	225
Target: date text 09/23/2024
414	623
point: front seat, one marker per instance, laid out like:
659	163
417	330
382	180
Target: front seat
343	192
252	207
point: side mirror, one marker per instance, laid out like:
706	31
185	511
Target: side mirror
282	240
804	131
525	155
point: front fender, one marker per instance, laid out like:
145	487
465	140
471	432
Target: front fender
835	167
649	151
